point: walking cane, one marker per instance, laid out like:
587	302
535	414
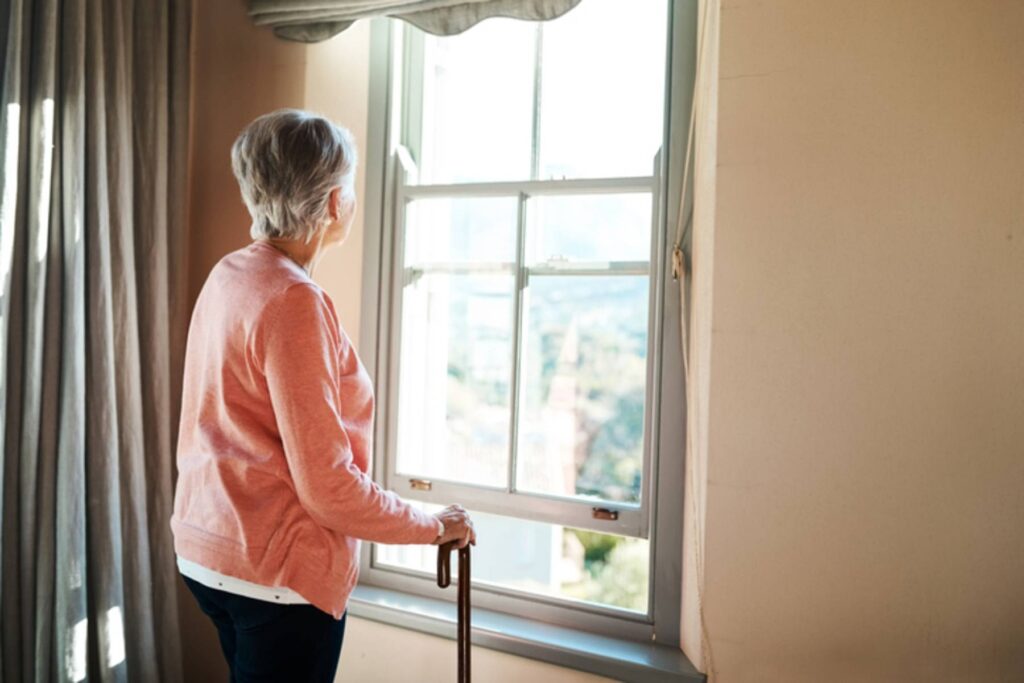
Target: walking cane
444	579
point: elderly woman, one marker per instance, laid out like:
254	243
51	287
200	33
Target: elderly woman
276	426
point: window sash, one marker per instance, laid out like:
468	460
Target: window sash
561	612
511	188
603	516
497	596
549	268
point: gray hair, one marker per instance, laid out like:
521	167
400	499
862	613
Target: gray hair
287	162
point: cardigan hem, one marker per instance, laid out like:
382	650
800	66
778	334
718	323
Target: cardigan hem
307	575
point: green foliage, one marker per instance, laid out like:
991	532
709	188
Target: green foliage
619	580
596	547
612	412
622	579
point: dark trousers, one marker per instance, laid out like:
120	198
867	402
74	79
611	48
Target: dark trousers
268	642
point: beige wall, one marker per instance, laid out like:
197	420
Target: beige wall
865	500
239	72
369	655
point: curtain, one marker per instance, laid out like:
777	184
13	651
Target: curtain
93	126
311	21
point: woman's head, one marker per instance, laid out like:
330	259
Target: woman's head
296	171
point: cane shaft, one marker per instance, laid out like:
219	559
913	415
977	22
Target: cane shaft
444	578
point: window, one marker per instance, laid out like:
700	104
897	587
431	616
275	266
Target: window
518	310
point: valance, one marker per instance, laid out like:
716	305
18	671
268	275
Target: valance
311	21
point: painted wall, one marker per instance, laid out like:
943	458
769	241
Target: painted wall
240	72
369	655
865	515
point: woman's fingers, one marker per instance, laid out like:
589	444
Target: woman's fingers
469	537
458	525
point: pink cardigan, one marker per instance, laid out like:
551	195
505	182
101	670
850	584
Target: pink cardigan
275	438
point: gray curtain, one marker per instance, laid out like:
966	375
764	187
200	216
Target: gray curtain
311	21
93	127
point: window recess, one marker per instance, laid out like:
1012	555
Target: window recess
516	313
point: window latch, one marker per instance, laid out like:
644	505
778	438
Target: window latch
420	484
605	513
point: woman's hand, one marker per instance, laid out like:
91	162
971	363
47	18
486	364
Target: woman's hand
457	525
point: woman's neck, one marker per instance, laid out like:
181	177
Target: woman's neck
307	256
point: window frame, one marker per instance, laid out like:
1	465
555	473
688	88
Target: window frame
664	428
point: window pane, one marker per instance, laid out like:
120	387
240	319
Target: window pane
590	228
543	559
582	380
453	416
602	90
478	103
461	230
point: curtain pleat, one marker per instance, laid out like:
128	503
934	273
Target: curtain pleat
312	21
71	605
104	169
160	60
93	132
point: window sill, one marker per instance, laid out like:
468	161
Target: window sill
619	659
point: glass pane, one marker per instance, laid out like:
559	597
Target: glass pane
478	103
461	230
453	415
602	90
590	228
543	559
582	380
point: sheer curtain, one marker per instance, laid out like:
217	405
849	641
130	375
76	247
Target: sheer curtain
93	126
315	20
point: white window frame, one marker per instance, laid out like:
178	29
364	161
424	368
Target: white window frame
390	183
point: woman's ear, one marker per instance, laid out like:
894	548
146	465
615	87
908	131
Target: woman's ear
335	204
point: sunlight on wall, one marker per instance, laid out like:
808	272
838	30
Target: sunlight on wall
43	213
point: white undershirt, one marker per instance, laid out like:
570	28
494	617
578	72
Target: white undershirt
232	584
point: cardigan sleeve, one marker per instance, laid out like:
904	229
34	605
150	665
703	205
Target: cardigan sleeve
301	349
